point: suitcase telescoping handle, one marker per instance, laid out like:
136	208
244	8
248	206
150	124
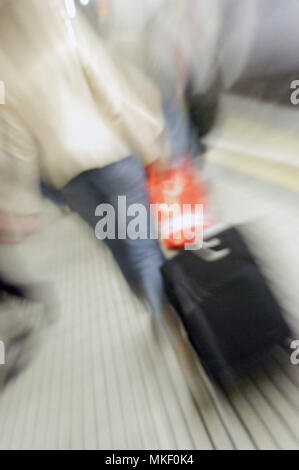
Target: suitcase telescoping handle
206	253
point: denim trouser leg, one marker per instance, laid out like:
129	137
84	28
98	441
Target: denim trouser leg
139	260
180	130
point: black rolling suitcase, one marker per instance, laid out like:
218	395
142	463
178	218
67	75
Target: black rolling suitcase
230	314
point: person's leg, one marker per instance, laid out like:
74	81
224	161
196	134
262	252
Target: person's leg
181	132
177	127
139	260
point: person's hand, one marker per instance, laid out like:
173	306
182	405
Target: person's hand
14	228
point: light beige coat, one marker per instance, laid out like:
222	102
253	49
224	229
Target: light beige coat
69	107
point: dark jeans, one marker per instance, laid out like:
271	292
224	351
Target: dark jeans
139	260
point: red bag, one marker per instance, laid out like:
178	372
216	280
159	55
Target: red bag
180	186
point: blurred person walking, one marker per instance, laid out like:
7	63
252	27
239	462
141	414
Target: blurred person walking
191	48
77	121
146	33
